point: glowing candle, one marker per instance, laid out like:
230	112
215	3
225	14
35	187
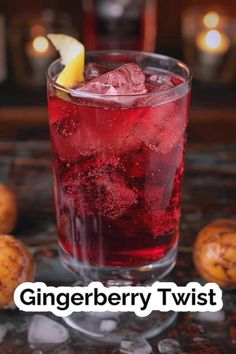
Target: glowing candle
213	42
40	45
212	47
211	20
40	54
39	48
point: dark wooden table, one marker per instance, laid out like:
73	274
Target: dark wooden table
209	193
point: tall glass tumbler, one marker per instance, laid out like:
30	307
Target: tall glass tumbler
118	163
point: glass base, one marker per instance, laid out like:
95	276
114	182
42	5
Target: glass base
120	276
111	327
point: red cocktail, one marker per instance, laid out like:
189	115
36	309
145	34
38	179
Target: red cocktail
118	166
118	141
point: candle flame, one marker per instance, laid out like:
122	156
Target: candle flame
213	42
211	19
213	39
40	44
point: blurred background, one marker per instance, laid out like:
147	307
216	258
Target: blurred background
202	33
199	32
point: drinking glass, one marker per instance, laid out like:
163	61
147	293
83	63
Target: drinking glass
118	164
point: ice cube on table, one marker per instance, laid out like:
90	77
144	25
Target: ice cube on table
218	316
108	325
128	79
135	344
3	332
43	330
168	346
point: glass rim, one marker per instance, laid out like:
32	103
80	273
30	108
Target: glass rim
78	93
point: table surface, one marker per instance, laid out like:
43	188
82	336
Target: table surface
209	193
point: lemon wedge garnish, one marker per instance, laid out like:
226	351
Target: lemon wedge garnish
72	56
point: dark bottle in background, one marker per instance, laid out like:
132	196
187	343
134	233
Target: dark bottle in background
120	24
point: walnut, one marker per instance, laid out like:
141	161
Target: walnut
16	267
215	253
8	209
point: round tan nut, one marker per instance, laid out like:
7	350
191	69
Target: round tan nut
8	209
215	253
16	266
